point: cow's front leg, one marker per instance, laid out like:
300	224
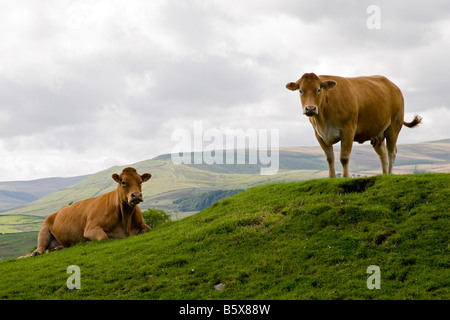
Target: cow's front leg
329	153
346	149
95	233
142	229
145	228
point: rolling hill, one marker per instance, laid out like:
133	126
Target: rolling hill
170	182
17	193
300	240
176	189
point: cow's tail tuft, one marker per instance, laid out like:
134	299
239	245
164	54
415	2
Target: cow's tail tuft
417	119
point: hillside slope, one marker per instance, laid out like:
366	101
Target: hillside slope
18	193
299	240
171	182
168	183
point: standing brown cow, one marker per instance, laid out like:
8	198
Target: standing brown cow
353	109
113	215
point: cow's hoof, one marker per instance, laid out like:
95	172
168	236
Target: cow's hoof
58	247
35	253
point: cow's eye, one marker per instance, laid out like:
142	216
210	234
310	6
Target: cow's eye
318	91
124	183
301	92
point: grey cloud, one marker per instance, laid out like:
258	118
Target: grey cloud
208	82
131	73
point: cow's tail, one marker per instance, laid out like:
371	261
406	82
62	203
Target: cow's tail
417	119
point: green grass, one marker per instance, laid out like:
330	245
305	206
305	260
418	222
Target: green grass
16	245
300	240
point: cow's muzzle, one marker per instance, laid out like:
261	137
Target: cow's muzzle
310	110
135	198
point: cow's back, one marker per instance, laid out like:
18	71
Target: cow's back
70	221
369	103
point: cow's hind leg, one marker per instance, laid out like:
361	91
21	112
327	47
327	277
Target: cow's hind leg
54	245
380	149
46	240
391	144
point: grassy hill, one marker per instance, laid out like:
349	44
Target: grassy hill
299	240
13	245
171	182
18	193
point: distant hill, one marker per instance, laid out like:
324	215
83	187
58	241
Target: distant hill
301	240
433	156
170	182
17	193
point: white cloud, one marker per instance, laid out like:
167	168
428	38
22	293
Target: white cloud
89	84
431	128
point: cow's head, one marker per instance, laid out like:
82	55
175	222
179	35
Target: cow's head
311	92
130	185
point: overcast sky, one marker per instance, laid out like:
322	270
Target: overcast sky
85	85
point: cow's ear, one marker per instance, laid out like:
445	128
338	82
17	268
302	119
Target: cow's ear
328	85
146	177
116	177
292	86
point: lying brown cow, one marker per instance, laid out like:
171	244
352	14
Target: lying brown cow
353	109
113	215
